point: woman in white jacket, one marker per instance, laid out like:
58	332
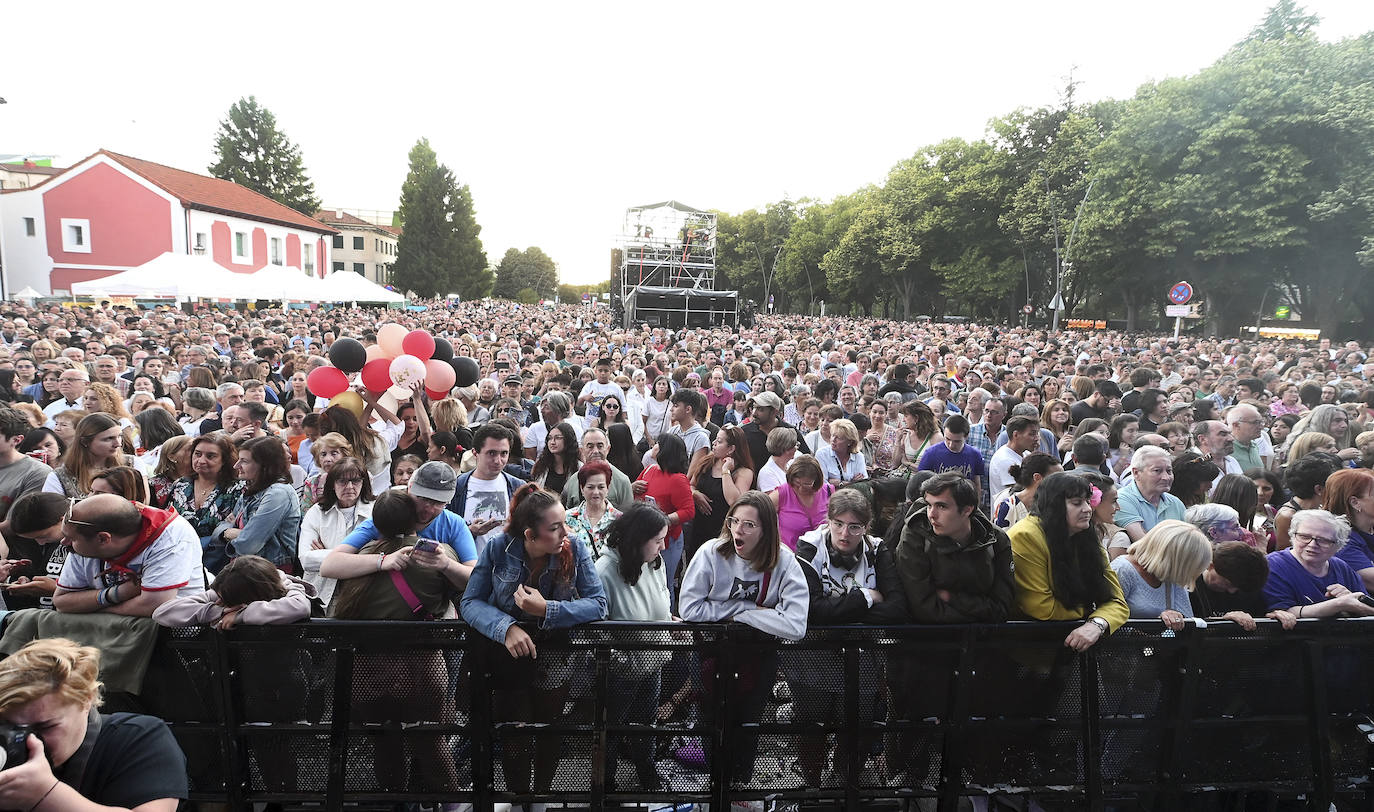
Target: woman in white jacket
636	586
345	501
747	576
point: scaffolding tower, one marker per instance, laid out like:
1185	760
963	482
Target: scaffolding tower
666	250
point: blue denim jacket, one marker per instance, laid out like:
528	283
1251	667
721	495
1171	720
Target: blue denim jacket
489	599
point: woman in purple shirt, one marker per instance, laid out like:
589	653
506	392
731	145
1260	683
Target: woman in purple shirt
1306	579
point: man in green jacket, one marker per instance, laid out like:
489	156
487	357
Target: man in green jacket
951	564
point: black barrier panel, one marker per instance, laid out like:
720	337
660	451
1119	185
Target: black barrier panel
339	713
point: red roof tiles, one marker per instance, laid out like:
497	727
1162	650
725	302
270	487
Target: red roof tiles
214	195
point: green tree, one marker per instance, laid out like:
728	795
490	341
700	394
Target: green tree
818	229
1284	19
252	152
439	250
531	268
748	246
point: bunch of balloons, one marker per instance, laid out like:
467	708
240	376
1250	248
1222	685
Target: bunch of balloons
396	362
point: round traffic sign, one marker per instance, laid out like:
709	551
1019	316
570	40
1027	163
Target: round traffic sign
1181	293
1027	309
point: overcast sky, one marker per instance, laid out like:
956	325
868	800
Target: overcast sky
559	116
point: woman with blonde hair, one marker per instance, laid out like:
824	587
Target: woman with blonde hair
449	415
326	451
1159	570
101	397
172	464
842	461
52	686
1308	443
44	350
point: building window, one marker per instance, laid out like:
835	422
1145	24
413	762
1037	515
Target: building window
200	242
338	241
241	245
76	236
358	243
360	268
308	257
338	266
274	251
30	227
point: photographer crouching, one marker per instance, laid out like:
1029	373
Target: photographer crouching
61	753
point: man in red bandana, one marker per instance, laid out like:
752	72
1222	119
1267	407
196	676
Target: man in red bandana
126	558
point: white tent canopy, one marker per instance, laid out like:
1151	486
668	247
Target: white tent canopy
278	282
178	275
27	293
347	286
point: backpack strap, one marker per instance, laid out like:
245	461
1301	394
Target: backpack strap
763	591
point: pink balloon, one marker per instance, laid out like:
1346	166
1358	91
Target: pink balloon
406	369
439	375
418	343
374	351
390	337
326	382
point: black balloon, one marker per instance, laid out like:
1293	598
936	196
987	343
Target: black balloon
348	354
443	351
465	371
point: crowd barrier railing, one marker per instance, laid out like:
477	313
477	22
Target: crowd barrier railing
359	713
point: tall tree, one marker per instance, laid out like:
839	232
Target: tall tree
529	269
254	153
439	250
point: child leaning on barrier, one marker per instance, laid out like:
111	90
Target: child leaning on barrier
250	589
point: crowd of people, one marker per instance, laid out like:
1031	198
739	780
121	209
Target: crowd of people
175	465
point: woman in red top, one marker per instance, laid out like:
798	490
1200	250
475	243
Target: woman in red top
666	483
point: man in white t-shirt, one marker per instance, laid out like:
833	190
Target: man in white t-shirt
126	559
1023	435
482	496
594	391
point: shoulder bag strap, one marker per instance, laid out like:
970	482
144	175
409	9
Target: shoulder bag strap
763	590
408	595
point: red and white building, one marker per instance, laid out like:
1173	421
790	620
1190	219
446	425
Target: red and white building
109	213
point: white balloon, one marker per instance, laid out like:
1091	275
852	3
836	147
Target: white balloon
406	370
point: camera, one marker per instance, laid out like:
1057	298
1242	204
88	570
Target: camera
14	745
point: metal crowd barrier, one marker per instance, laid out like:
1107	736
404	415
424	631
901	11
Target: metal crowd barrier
367	715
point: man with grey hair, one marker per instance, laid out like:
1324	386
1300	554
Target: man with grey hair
227	394
71	384
792	412
1246	426
1146	501
554	408
1308	579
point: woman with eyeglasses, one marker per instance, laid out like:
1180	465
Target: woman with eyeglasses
346	501
1307	579
747	576
559	460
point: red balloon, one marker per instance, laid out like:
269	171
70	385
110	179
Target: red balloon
418	343
376	375
326	382
436	396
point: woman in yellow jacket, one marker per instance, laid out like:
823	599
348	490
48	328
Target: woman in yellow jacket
1061	569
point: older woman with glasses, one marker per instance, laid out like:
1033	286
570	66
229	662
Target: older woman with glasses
345	502
1307	579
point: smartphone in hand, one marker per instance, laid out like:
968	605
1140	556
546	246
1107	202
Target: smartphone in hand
427	546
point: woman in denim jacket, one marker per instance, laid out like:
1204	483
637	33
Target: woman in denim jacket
532	573
267	518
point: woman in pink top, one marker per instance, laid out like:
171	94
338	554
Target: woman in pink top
802	500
